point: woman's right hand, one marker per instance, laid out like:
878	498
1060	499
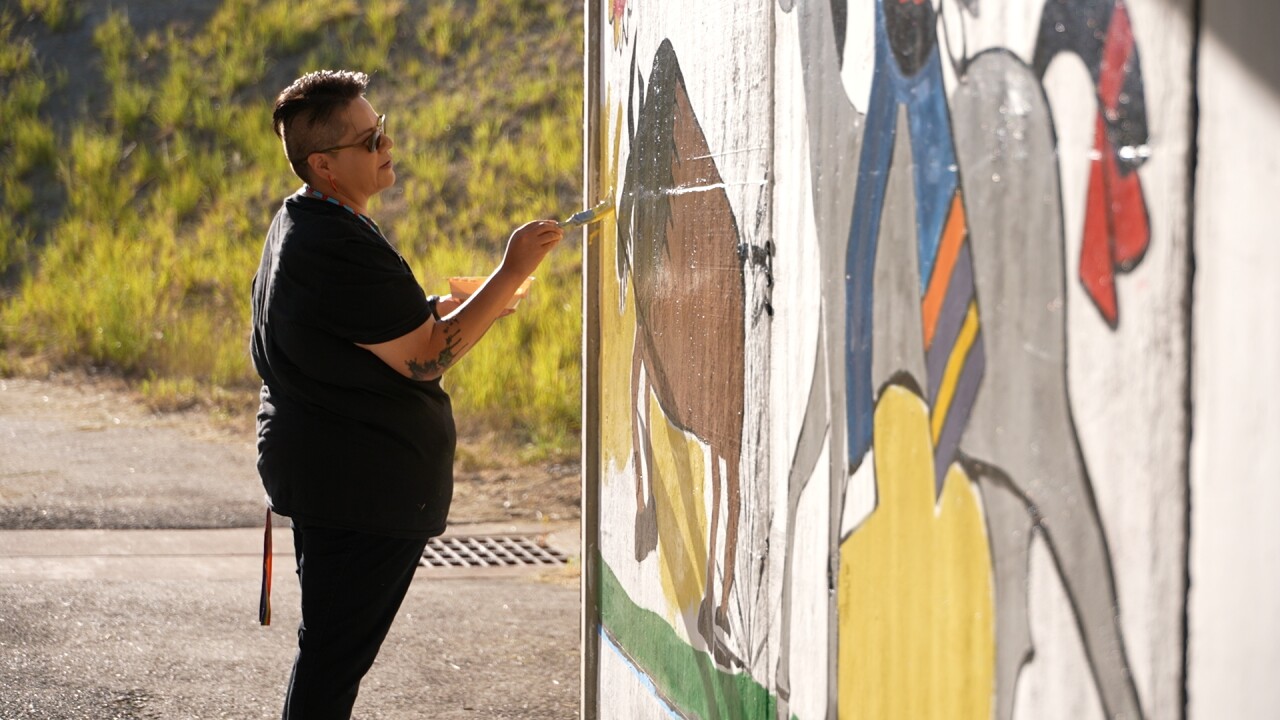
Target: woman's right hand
528	245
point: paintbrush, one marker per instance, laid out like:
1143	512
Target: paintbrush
586	217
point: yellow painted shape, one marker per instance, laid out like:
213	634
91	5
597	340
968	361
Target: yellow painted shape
679	480
617	326
955	364
916	604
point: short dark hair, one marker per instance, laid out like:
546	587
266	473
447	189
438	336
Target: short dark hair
302	112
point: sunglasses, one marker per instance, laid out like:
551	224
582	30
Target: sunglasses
372	144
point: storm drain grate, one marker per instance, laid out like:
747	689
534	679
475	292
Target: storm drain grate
489	551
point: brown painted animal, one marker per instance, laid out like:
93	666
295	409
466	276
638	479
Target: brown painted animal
679	244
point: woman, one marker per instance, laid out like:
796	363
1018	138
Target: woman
355	434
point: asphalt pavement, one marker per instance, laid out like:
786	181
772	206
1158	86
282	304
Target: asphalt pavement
129	579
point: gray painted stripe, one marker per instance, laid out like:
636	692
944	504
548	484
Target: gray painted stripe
950	318
958	414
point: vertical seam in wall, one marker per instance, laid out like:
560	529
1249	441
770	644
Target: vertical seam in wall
589	667
766	429
1188	306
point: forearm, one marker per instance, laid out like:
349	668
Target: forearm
457	333
437	345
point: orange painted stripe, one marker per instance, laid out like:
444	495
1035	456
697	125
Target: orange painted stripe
948	250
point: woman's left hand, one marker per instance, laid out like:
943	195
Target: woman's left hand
447	304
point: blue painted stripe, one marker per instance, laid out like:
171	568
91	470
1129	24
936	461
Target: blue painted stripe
639	675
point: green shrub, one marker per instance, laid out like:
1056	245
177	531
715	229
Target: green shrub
137	222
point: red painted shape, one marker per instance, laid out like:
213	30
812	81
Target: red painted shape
1130	226
1115	57
1116	225
1097	272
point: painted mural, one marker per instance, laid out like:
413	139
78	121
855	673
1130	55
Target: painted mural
834	446
674	323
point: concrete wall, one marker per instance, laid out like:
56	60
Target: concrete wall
1234	645
888	373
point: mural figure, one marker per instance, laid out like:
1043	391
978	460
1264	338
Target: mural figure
909	75
1016	437
835	141
678	242
1033	474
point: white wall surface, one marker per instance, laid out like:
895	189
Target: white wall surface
1234	624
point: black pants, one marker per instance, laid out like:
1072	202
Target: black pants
352	586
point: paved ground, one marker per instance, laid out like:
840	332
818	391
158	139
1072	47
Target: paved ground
114	603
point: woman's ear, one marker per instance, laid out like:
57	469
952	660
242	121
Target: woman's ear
319	164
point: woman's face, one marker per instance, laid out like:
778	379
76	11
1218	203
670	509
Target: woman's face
358	173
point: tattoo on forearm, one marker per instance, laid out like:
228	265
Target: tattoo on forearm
453	347
428	370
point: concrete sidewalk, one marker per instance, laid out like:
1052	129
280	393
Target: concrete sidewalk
131	621
163	624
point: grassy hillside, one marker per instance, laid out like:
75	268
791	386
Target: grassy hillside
139	172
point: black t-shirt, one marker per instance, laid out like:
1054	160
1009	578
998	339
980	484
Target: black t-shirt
343	439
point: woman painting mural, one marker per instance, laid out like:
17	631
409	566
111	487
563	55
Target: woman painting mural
355	434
